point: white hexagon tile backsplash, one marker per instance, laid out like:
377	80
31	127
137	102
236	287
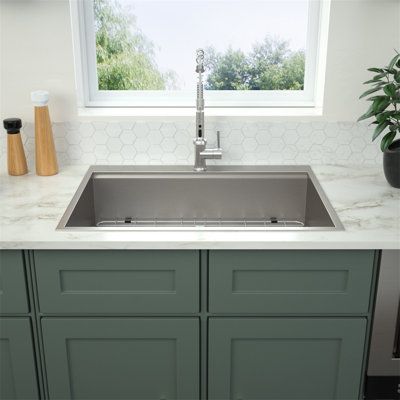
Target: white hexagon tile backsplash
154	142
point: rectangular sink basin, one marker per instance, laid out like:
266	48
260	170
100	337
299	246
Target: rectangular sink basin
223	197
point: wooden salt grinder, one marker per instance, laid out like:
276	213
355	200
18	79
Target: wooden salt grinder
45	152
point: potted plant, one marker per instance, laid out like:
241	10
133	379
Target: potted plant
385	109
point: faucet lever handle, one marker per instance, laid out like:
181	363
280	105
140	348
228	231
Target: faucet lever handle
219	139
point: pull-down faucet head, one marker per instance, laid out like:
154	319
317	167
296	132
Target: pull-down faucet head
200	94
202	153
200	61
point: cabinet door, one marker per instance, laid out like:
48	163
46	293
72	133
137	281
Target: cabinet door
17	365
270	358
13	298
122	358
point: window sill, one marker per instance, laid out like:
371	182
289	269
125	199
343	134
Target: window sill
125	112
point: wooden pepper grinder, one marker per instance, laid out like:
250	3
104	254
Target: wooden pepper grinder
45	152
16	161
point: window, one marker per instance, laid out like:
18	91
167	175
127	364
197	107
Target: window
259	53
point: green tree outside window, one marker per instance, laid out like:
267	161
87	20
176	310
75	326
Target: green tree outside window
126	59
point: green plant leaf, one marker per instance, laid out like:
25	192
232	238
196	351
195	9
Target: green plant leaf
394	61
387	140
394	128
390	70
380	105
391	112
373	90
381	117
370	81
375	70
376	97
396	115
397	76
376	82
368	114
390	89
379	129
379	77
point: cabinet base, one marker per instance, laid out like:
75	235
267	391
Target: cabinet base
382	388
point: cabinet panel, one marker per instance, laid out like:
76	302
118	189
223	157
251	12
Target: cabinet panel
118	281
122	358
293	358
18	378
294	282
13	297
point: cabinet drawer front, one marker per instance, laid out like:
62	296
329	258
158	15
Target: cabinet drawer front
13	296
286	358
102	282
290	282
17	363
122	358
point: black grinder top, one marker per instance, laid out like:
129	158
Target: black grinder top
12	125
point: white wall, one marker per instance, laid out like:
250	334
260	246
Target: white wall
363	34
36	52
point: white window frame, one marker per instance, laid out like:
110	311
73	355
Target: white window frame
89	96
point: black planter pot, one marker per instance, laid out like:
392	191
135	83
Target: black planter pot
391	164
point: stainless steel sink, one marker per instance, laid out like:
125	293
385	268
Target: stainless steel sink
176	197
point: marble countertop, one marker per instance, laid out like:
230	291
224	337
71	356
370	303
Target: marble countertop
368	207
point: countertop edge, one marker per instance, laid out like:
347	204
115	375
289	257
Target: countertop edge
198	245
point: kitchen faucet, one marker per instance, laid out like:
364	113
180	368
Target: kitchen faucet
201	151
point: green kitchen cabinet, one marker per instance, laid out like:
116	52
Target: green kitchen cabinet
122	358
285	358
185	324
18	378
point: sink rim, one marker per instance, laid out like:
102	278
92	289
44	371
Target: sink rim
187	169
